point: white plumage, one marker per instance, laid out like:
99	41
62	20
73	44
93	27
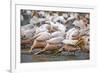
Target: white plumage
43	36
34	20
61	27
42	28
55	40
29	12
72	33
65	15
59	18
58	26
70	42
28	33
27	27
57	34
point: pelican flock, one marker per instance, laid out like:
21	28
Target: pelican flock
54	30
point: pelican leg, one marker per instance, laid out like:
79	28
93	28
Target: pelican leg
74	53
31	49
34	43
39	52
68	53
59	51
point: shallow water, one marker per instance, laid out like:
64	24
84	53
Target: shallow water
64	56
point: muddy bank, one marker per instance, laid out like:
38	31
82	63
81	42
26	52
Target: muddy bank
44	57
